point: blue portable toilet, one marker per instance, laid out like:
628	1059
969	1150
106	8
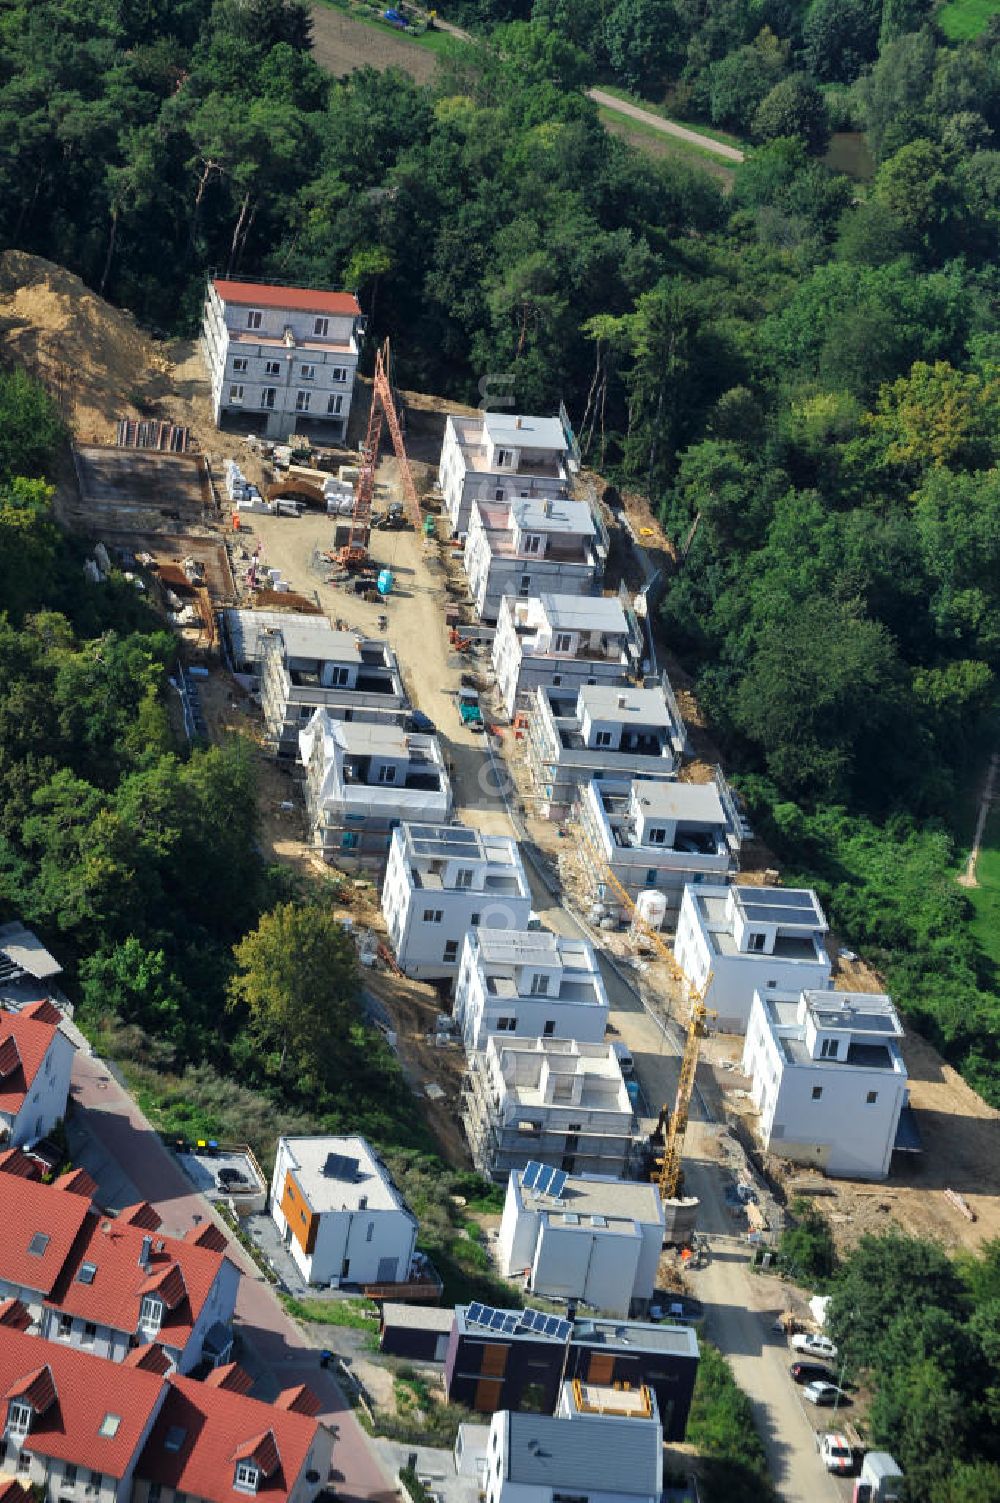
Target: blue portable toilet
384	581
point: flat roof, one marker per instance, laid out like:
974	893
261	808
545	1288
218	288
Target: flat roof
522	432
317	639
367	737
457	842
23	948
854	1012
620	702
585	1453
634	1335
689	801
295	299
533	947
597	1195
789	907
584	613
552	514
336	1174
246	628
417	1317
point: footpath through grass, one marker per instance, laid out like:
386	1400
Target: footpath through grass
725	137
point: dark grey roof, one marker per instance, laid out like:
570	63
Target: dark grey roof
587	1453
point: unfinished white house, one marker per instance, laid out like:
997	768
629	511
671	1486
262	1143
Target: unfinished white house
566	641
656	837
282	359
308	666
525	547
602	1445
496	457
602	732
828	1079
750	939
339	1213
586	1237
532	984
552	1100
440	882
362	779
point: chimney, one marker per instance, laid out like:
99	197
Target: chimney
144	1252
517	422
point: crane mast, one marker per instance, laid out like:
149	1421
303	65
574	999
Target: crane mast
383	411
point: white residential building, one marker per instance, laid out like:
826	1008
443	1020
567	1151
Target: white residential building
308	666
565	641
362	779
532	984
656	837
282	357
496	457
603	732
551	1100
599	1240
442	880
525	547
339	1213
602	1445
36	1061
750	939
828	1079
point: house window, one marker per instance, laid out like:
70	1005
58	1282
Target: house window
564	641
334	405
451	950
321	327
39	1242
506	1025
657	836
756	943
550	1028
267	396
650	876
240	366
65	1327
236	394
89	1334
505	458
532	542
18	1419
95	1482
254	317
433	915
817	1093
69	1477
154	1493
109	1426
150	1315
246	1477
24	1463
871	1098
307	372
474	920
828	1049
338	373
272	367
602	738
387	774
302	400
539	985
463	878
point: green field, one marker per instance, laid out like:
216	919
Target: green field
985	898
962	19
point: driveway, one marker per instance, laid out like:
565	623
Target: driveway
130	1163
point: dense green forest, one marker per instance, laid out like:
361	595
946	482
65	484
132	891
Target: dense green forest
803	374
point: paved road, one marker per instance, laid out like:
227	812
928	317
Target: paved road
130	1162
668	127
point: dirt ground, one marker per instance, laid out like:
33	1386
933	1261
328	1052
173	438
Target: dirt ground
341	44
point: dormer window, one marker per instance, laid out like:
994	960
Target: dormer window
247	1477
539	985
18	1419
150	1315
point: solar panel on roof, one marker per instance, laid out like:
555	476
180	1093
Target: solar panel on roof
532	1170
475	1314
558	1183
510	1323
341	1166
497	1321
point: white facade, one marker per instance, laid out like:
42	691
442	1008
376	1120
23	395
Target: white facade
497	457
442	880
565	641
554	1100
308	666
532	984
362	779
750	939
602	1445
36	1061
599	1242
656	836
339	1213
828	1078
526	547
605	732
286	356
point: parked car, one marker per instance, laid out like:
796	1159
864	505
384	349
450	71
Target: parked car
836	1454
815	1346
811	1372
422	723
822	1393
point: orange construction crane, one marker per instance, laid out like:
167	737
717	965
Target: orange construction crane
383	407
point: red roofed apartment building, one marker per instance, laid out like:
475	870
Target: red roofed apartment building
86	1430
284	358
107	1285
36	1059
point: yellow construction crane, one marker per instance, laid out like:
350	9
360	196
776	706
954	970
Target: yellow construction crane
668	1169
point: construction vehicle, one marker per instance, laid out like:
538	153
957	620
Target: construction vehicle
383	409
469	710
671	1125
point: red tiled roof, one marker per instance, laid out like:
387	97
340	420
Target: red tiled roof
16	1161
300	1399
262	1450
219	1427
230	1376
14	1314
207	1235
77	1182
141	1214
29	1208
151	1358
181	1274
43	1012
299	299
11	1491
24	1043
37	1388
86	1391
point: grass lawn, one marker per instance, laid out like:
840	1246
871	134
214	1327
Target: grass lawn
985	898
962	19
647	138
440	42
